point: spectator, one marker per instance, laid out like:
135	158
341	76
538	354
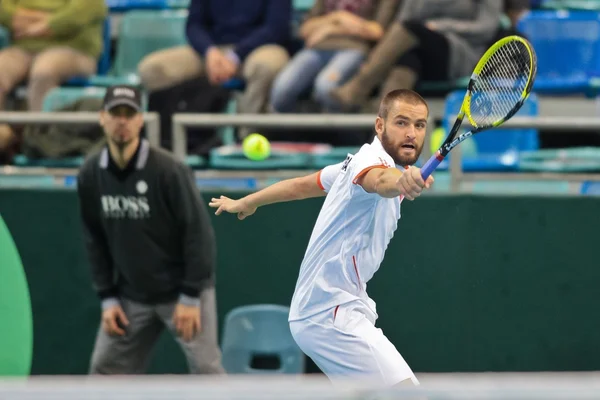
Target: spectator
434	40
338	34
515	9
52	41
227	39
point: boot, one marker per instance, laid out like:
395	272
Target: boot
399	78
374	71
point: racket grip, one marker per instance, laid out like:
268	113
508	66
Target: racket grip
431	165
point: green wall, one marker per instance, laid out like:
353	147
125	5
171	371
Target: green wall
504	284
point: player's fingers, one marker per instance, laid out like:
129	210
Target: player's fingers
405	189
429	182
241	216
415	174
403	186
219	210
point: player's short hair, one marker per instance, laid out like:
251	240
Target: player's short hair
406	95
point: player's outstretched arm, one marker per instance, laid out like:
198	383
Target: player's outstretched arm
290	189
391	182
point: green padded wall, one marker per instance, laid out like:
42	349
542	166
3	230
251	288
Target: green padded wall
506	284
15	310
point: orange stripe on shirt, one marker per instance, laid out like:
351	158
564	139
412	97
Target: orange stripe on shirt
319	180
364	171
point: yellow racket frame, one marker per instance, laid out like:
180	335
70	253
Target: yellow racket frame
466	107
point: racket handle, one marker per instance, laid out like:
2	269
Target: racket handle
431	165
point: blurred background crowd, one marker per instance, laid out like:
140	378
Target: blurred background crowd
234	56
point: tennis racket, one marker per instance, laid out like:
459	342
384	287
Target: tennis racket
499	86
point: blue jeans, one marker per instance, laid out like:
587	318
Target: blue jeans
321	70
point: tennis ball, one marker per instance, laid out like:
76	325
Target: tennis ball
256	147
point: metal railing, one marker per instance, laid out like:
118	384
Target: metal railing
180	123
152	120
365	121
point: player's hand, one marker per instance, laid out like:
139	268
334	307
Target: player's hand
411	184
113	320
186	320
239	207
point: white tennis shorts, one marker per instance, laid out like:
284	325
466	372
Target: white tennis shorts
345	343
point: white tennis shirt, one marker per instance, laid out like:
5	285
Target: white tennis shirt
349	239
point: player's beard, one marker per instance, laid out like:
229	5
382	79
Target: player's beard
393	151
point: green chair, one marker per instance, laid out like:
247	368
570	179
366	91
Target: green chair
54	100
62	96
336	155
303	5
143	32
16	334
232	157
572	4
4	37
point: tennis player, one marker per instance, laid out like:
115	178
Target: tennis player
332	318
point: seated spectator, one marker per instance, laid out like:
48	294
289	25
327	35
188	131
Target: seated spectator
515	9
52	41
433	40
227	39
338	34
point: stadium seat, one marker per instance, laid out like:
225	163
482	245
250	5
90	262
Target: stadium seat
590	188
62	96
334	156
260	334
496	150
232	157
567	44
127	5
103	62
570	4
575	159
4	37
303	5
142	32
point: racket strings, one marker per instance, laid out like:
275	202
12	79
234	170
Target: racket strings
501	83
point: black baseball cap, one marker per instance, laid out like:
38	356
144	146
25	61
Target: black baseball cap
122	95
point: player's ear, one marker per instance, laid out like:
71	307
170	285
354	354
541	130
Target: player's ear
379	125
102	117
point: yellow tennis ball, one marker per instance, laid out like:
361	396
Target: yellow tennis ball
256	147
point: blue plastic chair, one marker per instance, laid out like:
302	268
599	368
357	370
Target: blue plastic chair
126	5
567	44
256	331
496	150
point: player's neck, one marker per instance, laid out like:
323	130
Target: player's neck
122	155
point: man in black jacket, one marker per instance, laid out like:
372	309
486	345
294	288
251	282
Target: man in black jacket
151	247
